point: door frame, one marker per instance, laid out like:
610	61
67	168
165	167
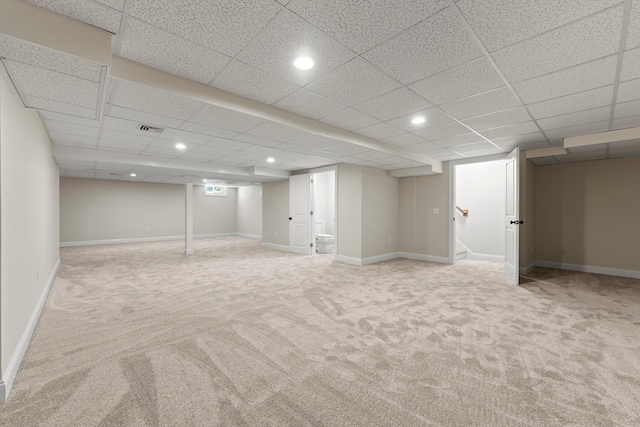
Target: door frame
333	168
452	195
309	216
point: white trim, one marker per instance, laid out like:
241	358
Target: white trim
275	247
349	260
378	258
528	268
422	257
485	257
139	240
9	376
634	274
188	252
250	236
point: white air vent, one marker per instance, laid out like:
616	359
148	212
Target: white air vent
152	129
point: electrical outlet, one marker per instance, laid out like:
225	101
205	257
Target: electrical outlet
436	211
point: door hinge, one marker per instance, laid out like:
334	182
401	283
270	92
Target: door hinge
310	245
311	212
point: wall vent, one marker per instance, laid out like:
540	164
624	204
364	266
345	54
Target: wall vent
152	129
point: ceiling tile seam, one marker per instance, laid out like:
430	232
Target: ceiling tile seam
124	24
623	40
591	15
4	58
493	63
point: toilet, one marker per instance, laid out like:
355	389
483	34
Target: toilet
325	243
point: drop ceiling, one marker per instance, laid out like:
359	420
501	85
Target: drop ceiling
488	76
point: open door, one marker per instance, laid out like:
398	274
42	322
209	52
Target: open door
511	219
300	230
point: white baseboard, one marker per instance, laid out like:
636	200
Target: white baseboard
275	247
485	257
251	236
634	274
139	240
379	258
9	376
349	259
527	269
423	257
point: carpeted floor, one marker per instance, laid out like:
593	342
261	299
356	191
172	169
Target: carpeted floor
237	335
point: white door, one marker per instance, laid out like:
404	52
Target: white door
300	230
511	218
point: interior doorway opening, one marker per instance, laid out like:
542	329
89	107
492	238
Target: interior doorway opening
324	212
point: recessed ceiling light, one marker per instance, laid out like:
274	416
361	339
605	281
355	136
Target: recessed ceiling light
132	174
270	159
303	63
418	120
180	146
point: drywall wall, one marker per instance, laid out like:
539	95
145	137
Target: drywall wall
380	212
324	195
349	211
275	213
28	225
423	232
103	210
587	213
527	213
249	222
481	189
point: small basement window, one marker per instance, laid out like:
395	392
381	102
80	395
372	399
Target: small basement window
215	190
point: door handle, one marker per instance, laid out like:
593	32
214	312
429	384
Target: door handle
290	218
516	222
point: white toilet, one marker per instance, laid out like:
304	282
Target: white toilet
325	243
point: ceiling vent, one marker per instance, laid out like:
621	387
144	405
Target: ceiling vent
152	129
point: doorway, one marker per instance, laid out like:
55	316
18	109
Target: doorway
324	212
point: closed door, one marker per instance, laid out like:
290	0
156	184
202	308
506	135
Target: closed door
300	230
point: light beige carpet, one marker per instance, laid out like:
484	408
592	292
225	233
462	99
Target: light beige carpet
237	335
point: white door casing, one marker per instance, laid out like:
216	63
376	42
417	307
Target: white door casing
300	218
512	216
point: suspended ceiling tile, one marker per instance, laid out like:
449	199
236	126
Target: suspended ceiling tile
404	139
500	23
520	140
113	135
575	119
207	130
90	12
44	104
345	149
114	4
295	148
628	91
65	118
225	26
353	83
48	59
482	153
212	115
200	156
250	82
441	153
578	130
625	122
380	131
164	151
508	147
468	79
476	146
124	125
308	104
176	135
226	143
406	164
581	157
633	30
317	142
436	44
370	155
122	146
256	140
145	99
630	65
579	42
444	131
143	118
287	37
433	117
75	174
511	130
591	75
164	51
60	138
349	119
501	118
361	28
276	132
397	103
466	138
570	103
488	102
422	147
627	109
263	151
72	128
59	87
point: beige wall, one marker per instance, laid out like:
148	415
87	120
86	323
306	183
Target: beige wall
380	212
96	210
28	220
275	213
423	232
527	212
349	210
587	213
250	210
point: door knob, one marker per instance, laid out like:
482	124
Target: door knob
517	222
290	218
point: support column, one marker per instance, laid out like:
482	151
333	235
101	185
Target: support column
188	219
